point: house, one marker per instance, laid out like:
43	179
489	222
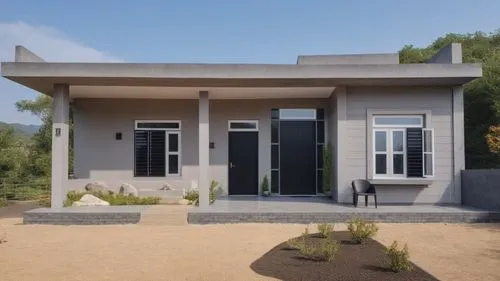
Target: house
399	125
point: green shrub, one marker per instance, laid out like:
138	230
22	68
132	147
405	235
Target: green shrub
193	196
361	230
399	259
325	230
296	243
112	199
325	250
3	202
265	186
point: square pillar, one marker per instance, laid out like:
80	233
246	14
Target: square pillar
458	143
60	144
342	180
203	150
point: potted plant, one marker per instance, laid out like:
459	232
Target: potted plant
327	169
265	187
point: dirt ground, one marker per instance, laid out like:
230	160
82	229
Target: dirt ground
218	252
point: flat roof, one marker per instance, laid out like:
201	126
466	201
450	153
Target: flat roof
41	76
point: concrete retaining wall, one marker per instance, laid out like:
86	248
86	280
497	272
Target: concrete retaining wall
481	189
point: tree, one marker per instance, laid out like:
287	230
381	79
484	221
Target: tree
481	96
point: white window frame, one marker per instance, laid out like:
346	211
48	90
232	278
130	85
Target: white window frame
256	129
168	131
168	152
382	116
375	152
158	121
432	152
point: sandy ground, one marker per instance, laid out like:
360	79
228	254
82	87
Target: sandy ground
218	252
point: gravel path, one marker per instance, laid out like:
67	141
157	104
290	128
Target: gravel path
218	252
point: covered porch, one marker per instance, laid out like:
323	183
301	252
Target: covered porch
253	209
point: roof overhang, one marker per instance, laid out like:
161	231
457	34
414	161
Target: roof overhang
41	76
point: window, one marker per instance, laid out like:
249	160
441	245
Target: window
157	148
402	147
428	152
297	114
243	125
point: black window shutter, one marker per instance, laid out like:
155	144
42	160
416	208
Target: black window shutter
141	153
157	153
414	163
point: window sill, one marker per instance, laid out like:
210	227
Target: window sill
406	181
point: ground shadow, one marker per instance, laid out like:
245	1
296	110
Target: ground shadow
16	209
353	262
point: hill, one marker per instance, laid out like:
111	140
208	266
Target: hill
21	129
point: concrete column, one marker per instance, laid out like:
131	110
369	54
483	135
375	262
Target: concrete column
341	147
60	143
458	142
203	149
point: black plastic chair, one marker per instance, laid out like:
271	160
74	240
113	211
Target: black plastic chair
363	188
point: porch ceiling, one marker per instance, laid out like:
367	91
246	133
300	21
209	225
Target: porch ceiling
193	92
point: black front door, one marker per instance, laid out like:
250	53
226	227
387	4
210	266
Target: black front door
297	157
243	163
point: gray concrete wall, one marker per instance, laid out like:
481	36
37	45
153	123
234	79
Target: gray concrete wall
436	104
451	53
481	189
350	59
99	156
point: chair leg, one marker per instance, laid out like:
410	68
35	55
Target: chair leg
366	200
375	196
354	199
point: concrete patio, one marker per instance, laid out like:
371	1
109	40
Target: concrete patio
280	209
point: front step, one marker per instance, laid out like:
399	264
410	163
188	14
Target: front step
165	215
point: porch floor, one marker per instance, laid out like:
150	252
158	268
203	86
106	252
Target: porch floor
281	209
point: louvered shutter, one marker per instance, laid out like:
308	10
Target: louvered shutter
141	144
414	163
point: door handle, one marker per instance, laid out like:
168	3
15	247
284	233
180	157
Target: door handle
231	165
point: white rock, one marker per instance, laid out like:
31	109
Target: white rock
128	189
183	202
167	186
97	186
90	200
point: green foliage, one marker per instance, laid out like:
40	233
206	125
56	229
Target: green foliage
399	259
112	199
324	250
296	243
325	230
3	202
193	196
481	96
327	168
361	230
265	186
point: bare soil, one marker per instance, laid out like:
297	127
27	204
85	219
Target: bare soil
353	261
219	252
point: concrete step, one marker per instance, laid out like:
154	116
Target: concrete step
165	215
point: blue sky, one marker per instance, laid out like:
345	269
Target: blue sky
257	31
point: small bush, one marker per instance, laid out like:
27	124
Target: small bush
296	243
265	187
193	196
361	230
325	250
112	199
325	230
399	259
3	202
